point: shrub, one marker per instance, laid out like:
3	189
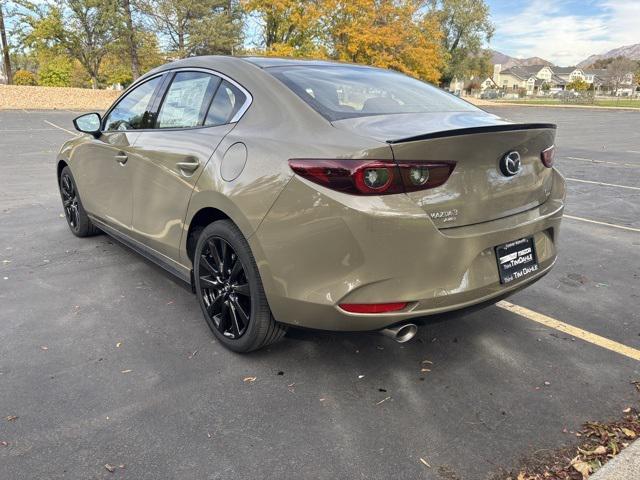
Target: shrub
22	77
55	73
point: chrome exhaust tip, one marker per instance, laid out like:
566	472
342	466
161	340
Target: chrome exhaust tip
402	333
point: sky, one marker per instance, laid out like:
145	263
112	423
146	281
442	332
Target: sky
564	32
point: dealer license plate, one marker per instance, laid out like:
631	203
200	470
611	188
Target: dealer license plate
516	259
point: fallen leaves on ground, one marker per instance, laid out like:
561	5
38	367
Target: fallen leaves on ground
112	468
424	365
601	442
249	379
12	418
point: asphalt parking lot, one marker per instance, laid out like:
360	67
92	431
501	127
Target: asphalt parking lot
104	359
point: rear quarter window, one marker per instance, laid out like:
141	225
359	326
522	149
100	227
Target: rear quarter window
227	101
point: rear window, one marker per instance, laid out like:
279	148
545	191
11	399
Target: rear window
339	92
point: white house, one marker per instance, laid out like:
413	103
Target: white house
531	78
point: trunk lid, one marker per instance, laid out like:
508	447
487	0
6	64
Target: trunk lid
477	191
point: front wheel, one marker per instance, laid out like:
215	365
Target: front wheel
230	291
79	222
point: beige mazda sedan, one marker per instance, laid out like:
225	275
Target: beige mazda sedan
315	194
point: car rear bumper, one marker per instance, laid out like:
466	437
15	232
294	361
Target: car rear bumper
317	249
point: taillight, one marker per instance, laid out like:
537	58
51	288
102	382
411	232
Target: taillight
424	175
372	177
373	307
548	156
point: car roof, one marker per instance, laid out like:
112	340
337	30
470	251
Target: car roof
240	64
267	62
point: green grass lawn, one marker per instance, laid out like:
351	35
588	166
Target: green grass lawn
599	102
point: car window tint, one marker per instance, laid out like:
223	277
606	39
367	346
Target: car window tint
187	99
129	113
228	101
338	92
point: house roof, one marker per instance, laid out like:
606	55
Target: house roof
563	70
523	71
558	80
519	72
595	71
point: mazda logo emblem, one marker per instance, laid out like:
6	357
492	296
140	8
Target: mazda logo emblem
510	164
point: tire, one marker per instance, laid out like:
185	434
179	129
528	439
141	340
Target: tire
230	292
79	222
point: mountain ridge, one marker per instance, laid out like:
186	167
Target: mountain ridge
508	61
629	51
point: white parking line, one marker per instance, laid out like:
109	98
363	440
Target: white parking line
602	223
602	183
75	134
590	160
28	130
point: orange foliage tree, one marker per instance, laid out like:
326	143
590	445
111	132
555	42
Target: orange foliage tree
290	28
390	34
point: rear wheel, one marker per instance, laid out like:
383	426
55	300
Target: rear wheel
230	291
77	219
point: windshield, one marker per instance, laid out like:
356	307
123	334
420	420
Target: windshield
339	92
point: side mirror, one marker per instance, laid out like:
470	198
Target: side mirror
88	123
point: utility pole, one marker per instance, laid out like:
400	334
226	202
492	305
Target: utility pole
5	49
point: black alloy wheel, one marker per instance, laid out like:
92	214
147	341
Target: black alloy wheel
225	288
69	200
230	291
79	222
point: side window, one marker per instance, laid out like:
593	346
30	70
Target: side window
228	100
187	100
129	113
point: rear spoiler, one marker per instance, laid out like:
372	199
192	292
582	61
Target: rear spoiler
471	130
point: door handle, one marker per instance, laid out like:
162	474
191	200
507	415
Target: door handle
188	166
121	158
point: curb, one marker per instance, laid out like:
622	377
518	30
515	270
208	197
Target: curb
624	466
597	107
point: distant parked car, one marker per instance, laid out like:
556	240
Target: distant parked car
490	94
566	94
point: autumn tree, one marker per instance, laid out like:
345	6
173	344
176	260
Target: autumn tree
288	27
466	27
578	84
196	27
83	29
385	34
116	66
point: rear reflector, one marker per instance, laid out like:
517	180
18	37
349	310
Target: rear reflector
548	156
373	307
372	177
